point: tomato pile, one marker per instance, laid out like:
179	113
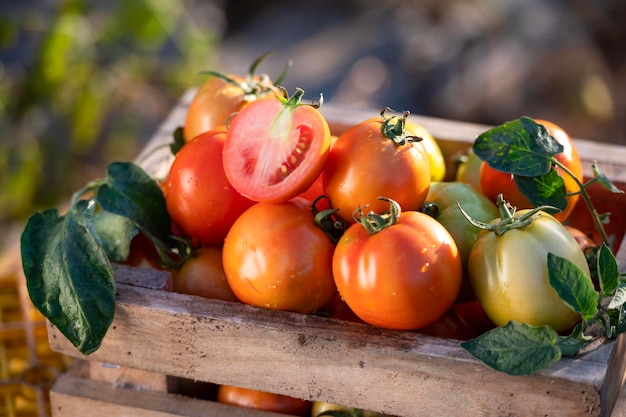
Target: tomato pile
363	221
265	204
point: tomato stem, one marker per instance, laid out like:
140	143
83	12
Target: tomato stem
597	218
507	220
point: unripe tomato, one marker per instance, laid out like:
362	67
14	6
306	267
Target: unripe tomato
435	156
404	277
446	196
494	182
468	170
322	407
509	273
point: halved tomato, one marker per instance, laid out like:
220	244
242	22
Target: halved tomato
276	148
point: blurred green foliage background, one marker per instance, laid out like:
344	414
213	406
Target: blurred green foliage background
86	82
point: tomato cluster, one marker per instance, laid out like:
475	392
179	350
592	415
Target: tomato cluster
359	224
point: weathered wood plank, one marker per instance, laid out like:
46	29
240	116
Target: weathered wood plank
74	395
317	358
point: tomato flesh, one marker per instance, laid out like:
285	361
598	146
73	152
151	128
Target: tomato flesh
274	152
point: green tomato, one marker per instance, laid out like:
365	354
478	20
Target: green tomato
509	273
446	195
468	170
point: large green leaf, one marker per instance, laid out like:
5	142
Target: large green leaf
520	147
516	349
68	275
572	285
130	192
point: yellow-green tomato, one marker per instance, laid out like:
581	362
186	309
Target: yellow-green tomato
319	408
468	171
509	273
435	156
446	195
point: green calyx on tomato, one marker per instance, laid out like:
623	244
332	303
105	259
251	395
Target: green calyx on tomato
375	222
393	127
253	86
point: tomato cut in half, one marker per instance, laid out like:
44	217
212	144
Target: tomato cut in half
275	148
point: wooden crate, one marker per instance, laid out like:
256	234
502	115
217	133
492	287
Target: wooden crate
316	358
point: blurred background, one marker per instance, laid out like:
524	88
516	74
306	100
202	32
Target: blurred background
85	83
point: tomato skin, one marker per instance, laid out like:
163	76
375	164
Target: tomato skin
320	407
584	241
275	151
468	171
261	400
509	273
435	156
275	256
494	182
203	275
199	198
364	165
216	100
446	195
404	277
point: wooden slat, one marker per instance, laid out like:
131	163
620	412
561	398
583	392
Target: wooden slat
74	395
316	358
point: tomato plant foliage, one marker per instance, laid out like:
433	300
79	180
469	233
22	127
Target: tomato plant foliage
66	258
524	149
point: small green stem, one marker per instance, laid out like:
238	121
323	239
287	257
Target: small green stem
586	198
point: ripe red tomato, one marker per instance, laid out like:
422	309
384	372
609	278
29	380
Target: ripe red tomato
275	256
494	182
199	198
203	274
405	276
261	400
365	163
142	253
276	148
218	99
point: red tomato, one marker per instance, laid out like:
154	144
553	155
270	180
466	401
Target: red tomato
365	163
275	256
405	276
261	400
142	253
276	148
218	99
203	275
199	198
494	182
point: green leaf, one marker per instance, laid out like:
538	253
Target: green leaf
572	285
619	297
603	180
68	276
570	346
116	233
130	192
516	348
520	147
607	270
544	190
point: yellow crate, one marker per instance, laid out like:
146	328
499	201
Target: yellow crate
28	367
